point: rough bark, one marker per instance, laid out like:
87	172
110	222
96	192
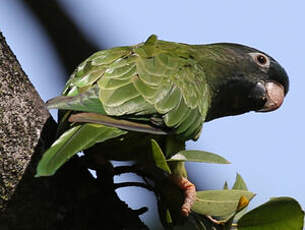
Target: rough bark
72	199
22	119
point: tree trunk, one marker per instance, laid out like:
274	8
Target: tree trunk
72	199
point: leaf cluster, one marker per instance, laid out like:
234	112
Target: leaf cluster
226	209
213	209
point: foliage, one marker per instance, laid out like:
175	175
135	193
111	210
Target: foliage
213	209
218	209
226	209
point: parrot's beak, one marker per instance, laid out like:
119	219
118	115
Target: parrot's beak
274	96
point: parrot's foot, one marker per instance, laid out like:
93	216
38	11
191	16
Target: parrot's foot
189	190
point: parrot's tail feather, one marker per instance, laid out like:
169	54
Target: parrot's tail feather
118	123
56	102
74	140
87	101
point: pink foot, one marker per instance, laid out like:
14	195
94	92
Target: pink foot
189	190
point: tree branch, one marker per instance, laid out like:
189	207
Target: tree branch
72	199
22	118
69	42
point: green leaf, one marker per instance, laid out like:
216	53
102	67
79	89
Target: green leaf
168	217
71	142
159	157
225	186
239	184
164	213
281	213
219	202
198	156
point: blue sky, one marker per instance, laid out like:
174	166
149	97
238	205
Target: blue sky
266	149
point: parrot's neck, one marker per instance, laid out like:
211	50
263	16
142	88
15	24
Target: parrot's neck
229	87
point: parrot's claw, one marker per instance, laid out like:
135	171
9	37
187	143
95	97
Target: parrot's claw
189	190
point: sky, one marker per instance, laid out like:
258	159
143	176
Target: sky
265	148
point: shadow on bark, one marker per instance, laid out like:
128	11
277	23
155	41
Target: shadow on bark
70	43
72	199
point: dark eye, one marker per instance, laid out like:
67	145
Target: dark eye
261	59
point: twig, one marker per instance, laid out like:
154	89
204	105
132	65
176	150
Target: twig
127	169
137	184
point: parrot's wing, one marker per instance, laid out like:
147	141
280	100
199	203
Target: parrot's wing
150	86
158	80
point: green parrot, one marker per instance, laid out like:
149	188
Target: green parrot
119	99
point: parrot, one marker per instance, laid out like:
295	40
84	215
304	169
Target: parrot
118	99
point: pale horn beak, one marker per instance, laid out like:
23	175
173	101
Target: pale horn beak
275	94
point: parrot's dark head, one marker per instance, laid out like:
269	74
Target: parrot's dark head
244	79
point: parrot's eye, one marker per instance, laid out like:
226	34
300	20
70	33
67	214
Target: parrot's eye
260	59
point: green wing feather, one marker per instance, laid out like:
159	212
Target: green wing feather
155	78
87	102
